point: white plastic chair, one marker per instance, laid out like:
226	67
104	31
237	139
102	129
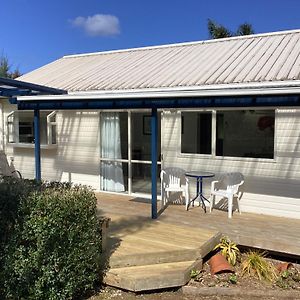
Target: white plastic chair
174	180
228	187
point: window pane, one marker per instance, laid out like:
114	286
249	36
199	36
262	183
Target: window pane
196	132
114	176
245	133
114	135
141	136
141	178
53	118
53	134
26	132
11	128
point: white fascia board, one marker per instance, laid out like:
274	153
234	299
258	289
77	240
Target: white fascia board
284	88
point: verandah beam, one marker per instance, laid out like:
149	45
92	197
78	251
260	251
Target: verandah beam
247	101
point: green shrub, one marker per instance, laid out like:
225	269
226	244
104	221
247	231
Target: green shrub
55	248
12	191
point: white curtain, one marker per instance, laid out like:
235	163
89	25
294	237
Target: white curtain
111	173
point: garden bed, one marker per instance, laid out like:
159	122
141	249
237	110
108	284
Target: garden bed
287	280
249	273
222	286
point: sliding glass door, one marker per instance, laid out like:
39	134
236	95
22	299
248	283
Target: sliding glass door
141	152
114	151
125	152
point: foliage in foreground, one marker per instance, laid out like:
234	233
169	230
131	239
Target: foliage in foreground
229	249
255	264
12	192
53	241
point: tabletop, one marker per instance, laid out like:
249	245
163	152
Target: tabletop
198	174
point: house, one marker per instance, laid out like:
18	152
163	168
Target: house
223	105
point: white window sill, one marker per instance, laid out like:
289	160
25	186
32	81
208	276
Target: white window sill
31	146
230	158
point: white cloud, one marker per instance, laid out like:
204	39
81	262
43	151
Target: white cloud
98	25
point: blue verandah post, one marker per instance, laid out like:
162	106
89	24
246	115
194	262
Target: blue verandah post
37	145
154	162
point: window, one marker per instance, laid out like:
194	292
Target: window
196	132
26	132
20	127
245	133
238	133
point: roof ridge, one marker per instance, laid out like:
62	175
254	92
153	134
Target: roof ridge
182	44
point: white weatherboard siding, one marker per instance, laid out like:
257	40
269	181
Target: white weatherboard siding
76	157
271	186
78	147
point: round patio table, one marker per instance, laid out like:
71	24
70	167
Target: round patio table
199	176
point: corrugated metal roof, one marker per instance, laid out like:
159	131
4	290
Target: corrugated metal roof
269	57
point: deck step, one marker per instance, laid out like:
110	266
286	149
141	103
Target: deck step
146	255
151	277
142	249
131	260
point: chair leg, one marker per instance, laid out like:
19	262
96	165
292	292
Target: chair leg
187	198
167	197
212	202
230	199
238	204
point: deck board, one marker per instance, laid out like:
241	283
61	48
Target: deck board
150	236
256	230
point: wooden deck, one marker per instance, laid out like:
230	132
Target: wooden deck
144	254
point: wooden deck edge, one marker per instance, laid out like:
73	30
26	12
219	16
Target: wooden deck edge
266	244
166	279
119	261
154	258
209	245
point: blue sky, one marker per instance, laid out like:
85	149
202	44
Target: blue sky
36	32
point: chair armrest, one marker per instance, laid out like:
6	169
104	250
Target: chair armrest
162	173
213	185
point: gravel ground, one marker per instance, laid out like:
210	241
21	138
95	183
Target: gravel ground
111	293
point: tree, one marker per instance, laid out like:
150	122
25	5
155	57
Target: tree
5	68
217	31
245	29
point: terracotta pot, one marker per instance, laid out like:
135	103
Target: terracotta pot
219	264
283	266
